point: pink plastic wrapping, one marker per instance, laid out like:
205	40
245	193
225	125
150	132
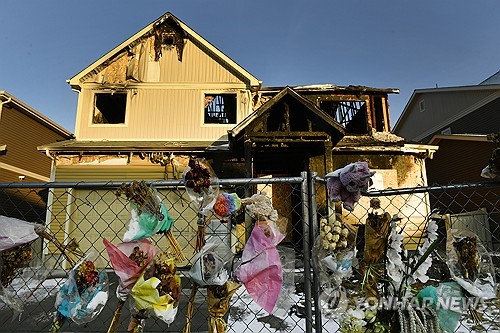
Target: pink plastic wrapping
261	271
125	268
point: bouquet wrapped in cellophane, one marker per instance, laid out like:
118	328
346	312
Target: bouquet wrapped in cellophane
149	216
129	261
157	292
83	295
218	299
202	188
376	231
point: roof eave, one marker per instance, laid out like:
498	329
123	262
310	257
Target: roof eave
36	115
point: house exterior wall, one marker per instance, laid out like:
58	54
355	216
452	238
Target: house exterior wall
484	120
167	102
440	109
22	134
89	223
161	113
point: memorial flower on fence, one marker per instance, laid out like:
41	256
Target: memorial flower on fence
202	188
157	292
149	216
83	295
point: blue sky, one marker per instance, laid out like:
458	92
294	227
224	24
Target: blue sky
383	44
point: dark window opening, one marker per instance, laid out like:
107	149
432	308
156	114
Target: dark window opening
109	108
350	114
220	109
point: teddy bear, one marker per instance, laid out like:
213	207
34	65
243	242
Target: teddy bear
345	184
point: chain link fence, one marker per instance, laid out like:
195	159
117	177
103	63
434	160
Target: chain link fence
89	212
471	207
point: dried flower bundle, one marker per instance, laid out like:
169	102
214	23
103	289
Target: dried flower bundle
86	276
141	195
157	291
197	177
333	235
152	216
468	258
14	259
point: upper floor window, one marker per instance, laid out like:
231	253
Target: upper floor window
109	108
220	109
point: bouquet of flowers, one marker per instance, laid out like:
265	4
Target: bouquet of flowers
156	292
202	188
83	295
376	232
227	205
15	247
208	267
218	298
261	271
129	261
471	267
149	216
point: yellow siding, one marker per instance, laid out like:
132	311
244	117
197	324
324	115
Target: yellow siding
166	106
95	214
161	114
196	66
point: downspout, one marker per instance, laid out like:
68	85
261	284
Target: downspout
50	200
2	103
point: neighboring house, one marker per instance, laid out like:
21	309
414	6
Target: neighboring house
457	119
22	130
166	93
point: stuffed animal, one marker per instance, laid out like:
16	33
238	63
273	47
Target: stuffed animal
346	184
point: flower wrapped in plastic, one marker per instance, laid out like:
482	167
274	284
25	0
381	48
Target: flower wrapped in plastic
261	271
16	253
208	267
202	187
149	216
83	295
227	205
470	264
376	231
218	299
129	261
157	291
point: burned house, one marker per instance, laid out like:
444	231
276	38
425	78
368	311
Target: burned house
166	94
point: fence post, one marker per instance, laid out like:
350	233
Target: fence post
313	213
307	251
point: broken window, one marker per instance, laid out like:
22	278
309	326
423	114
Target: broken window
220	108
109	108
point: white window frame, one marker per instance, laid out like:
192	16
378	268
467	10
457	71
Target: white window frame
127	108
219	92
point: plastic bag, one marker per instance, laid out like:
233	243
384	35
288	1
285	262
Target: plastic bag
202	185
209	267
261	271
14	232
431	296
470	264
85	291
287	292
